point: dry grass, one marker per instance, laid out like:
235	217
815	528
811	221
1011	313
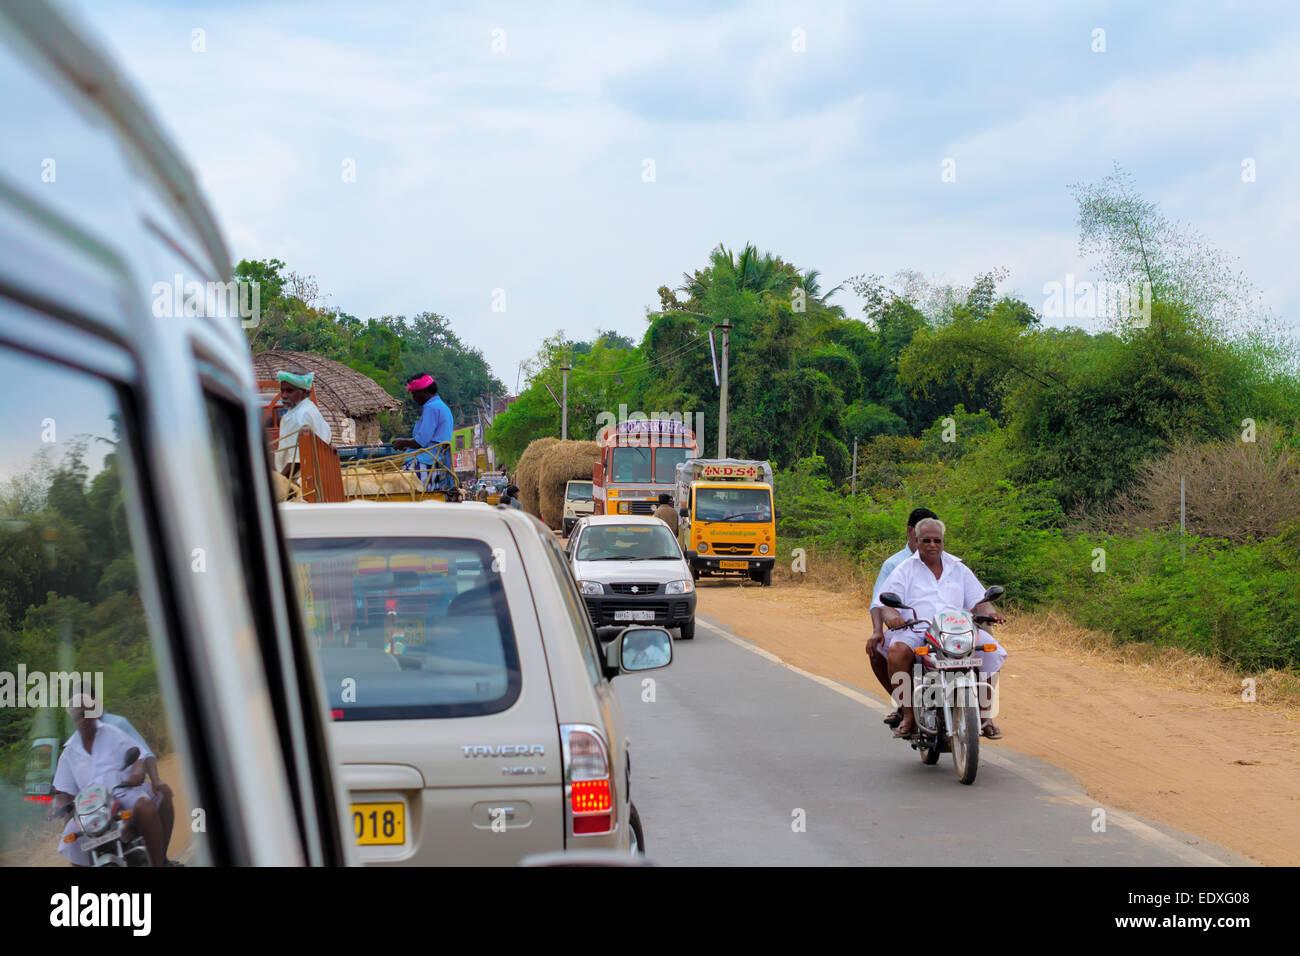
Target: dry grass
1236	490
1053	632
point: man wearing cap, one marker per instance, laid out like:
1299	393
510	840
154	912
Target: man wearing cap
295	395
432	432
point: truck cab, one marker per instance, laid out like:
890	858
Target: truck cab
729	525
578	502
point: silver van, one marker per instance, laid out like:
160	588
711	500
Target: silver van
472	709
140	563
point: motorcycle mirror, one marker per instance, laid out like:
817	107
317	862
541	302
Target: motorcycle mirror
890	599
993	593
132	756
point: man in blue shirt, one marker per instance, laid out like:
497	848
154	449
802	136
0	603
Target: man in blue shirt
880	658
432	433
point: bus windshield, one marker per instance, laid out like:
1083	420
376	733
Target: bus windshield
733	504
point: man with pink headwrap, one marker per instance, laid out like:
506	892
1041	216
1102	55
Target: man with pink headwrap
432	433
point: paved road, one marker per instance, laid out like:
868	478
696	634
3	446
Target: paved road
735	743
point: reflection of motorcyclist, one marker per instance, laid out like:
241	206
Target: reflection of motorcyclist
95	754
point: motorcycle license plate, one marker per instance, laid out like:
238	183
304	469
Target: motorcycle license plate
92	842
961	665
733	565
379	824
634	615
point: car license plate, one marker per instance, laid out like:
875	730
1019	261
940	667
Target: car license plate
634	615
951	665
733	565
379	824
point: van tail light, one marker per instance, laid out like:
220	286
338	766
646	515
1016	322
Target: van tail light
588	781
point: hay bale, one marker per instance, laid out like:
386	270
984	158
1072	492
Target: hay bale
560	464
527	473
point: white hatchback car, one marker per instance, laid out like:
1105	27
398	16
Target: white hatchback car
631	570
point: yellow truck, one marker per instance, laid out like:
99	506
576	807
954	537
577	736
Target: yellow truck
728	522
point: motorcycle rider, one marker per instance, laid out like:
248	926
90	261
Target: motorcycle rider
928	581
876	655
95	754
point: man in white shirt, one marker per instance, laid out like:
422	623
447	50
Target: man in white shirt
295	395
876	655
95	753
927	582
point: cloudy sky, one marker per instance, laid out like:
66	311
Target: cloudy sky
578	156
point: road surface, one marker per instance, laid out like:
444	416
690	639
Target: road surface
743	760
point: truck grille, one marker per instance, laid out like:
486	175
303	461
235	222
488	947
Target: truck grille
641	507
734	547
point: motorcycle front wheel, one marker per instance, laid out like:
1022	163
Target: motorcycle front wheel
965	741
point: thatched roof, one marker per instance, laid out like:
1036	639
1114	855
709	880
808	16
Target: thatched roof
337	387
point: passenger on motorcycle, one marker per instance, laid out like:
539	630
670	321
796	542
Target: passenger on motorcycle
876	654
929	580
94	754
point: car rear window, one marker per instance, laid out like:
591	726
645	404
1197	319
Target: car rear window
407	628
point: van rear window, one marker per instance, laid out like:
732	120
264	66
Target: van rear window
407	628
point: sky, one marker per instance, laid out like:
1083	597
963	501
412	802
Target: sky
565	161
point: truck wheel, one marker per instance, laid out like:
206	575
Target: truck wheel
687	631
766	577
695	574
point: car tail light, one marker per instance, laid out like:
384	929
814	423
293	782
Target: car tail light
588	780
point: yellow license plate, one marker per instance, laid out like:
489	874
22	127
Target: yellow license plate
733	565
379	824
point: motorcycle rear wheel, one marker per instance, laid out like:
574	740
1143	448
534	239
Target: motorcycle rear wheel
965	742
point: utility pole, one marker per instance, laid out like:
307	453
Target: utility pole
564	408
855	464
722	406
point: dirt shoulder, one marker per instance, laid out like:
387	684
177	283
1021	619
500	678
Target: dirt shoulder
1149	738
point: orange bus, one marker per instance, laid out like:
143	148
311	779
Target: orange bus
638	462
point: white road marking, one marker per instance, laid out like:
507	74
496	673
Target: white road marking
1143	831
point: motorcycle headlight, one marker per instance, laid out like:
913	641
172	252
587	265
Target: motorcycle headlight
95	822
679	587
591	587
958	645
703	548
762	549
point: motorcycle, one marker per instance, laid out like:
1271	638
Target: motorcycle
946	684
105	824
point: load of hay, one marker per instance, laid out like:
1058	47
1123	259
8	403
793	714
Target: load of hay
365	482
559	464
527	473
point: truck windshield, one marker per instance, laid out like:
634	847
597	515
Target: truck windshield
733	504
666	461
631	464
579	491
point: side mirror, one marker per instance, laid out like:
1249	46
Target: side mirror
691	555
993	593
132	756
890	599
778	514
638	649
684	512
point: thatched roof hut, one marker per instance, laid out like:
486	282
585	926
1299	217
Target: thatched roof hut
349	401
